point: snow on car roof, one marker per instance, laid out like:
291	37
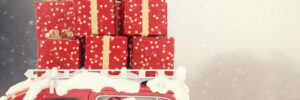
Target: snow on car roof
96	82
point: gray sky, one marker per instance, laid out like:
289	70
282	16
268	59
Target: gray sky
17	41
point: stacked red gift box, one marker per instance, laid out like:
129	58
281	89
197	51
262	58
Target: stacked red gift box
103	34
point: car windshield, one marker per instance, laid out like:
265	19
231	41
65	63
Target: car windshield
130	98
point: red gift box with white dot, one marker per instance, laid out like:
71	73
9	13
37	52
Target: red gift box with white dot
57	15
152	53
106	52
94	17
62	54
145	17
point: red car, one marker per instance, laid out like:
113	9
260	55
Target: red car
106	94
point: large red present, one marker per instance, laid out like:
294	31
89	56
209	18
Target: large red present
105	52
145	17
54	15
152	53
94	17
63	54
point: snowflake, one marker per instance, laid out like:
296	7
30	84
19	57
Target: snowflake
3	63
12	50
12	17
4	13
30	22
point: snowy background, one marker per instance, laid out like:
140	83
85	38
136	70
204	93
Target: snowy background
233	49
17	41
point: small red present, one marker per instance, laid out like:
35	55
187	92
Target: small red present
54	15
62	54
145	17
105	52
94	17
119	17
152	53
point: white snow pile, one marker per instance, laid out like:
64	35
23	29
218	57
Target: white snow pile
21	86
84	80
3	98
35	86
96	82
163	85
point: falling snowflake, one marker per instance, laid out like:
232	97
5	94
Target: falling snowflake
10	59
4	13
3	63
30	22
27	32
12	50
3	39
12	17
23	53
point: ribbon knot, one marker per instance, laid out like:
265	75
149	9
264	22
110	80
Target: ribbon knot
66	34
54	34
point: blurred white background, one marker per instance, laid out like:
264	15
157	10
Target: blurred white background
238	49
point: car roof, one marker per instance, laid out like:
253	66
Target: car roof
143	89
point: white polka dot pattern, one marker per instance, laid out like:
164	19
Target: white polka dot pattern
58	15
94	52
152	53
133	17
63	54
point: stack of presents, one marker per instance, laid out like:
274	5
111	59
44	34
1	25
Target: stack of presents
103	34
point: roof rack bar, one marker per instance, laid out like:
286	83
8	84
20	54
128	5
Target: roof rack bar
142	73
161	73
113	73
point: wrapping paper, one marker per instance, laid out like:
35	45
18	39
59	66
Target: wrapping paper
63	54
152	53
95	17
54	15
106	52
145	17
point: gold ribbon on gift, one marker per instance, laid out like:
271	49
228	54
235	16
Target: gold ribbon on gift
52	34
66	34
145	17
94	17
105	52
